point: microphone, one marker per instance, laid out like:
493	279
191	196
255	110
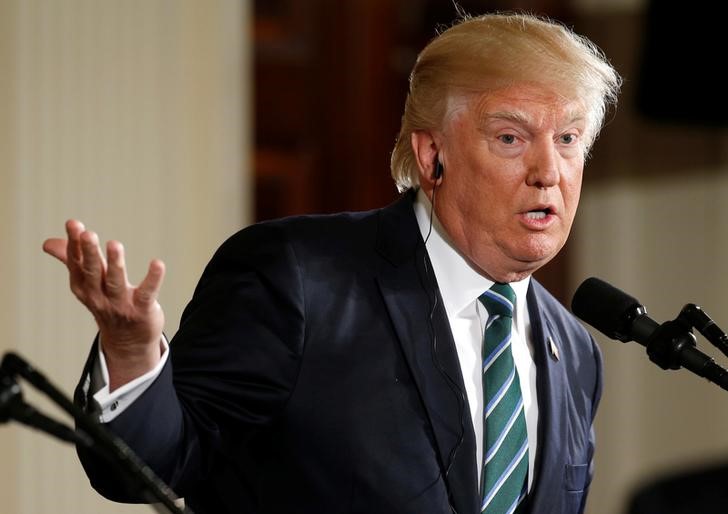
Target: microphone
670	345
612	311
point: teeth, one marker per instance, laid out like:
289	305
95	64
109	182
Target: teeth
536	215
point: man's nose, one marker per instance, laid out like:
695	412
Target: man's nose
543	165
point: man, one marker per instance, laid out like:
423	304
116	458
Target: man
379	362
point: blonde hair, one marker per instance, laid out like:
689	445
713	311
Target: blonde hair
485	53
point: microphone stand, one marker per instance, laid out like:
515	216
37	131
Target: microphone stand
89	432
694	316
673	345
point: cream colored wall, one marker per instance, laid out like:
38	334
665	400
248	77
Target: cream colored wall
134	117
664	241
9	437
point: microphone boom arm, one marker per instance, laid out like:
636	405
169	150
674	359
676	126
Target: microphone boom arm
693	316
673	346
89	432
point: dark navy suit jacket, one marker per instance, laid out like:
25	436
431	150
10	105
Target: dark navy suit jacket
314	371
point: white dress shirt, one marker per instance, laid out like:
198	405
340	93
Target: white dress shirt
460	286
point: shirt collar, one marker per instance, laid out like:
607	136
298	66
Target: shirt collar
459	282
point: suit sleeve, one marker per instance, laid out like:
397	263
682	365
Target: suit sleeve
233	365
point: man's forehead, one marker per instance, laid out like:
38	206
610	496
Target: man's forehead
526	105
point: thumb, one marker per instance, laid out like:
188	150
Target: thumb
57	248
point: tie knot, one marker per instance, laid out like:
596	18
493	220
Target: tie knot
499	300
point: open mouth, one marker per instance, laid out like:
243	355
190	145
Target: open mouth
539	214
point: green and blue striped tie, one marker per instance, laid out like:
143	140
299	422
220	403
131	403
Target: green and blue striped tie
504	482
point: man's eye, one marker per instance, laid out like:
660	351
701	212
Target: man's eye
508	139
568	138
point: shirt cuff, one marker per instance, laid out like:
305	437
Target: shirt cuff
114	403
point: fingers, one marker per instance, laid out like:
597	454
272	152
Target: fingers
93	262
62	249
83	257
116	282
97	280
147	292
74	229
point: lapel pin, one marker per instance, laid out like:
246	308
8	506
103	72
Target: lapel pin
554	348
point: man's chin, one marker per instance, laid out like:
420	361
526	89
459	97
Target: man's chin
537	252
517	269
516	263
526	265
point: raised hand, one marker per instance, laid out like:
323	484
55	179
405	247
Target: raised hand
129	317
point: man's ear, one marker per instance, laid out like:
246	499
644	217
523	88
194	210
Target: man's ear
425	149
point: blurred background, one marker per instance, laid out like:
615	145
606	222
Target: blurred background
169	124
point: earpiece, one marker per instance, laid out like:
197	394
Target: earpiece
439	169
432	287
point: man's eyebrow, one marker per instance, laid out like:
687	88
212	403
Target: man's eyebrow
522	118
507	116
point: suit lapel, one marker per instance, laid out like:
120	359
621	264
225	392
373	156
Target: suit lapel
410	293
551	392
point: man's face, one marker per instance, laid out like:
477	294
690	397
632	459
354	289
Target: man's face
513	163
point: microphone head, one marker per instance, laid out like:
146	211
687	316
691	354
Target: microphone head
606	308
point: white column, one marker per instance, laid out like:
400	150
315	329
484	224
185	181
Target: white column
663	240
134	117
